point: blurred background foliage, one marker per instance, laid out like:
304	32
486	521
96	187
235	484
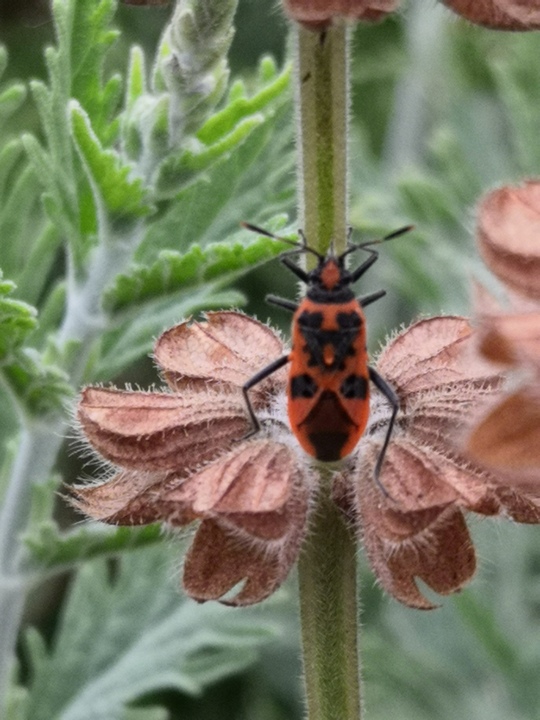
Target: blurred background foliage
441	112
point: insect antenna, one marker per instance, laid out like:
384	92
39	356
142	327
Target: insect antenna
378	241
300	247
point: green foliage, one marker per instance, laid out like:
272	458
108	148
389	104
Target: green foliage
111	231
17	320
125	636
119	217
174	271
123	199
55	550
476	657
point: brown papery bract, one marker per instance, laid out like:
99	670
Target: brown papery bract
418	530
182	456
508	228
318	14
146	2
223	352
499	14
505	438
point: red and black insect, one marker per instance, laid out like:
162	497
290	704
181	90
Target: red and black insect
328	385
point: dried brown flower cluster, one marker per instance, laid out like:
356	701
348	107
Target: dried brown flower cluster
420	531
499	14
507	438
318	14
518	15
182	458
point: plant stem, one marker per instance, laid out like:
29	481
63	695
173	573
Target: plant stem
327	566
40	442
323	102
36	454
328	607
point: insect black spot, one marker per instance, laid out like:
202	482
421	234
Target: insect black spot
354	387
303	386
312	320
350	320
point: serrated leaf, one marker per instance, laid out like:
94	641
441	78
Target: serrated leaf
176	171
240	107
17	321
123	197
89	37
52	549
40	387
230	191
224	136
121	639
173	271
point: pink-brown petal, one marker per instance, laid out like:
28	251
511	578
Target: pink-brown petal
511	338
253	477
107	499
225	350
317	14
435	547
160	431
508	228
418	478
433	353
508	438
521	507
219	559
286	525
499	14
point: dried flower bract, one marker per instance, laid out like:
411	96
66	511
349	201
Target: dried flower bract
419	530
182	457
506	438
318	14
499	14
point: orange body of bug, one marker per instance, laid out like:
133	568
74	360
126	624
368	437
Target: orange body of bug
328	388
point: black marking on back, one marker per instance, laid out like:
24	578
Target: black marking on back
329	427
310	320
348	320
354	387
303	386
341	340
337	295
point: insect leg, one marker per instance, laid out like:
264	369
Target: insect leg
293	267
390	395
282	303
368	299
255	380
364	267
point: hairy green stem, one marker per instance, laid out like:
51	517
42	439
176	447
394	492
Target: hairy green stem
322	92
327	566
328	607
